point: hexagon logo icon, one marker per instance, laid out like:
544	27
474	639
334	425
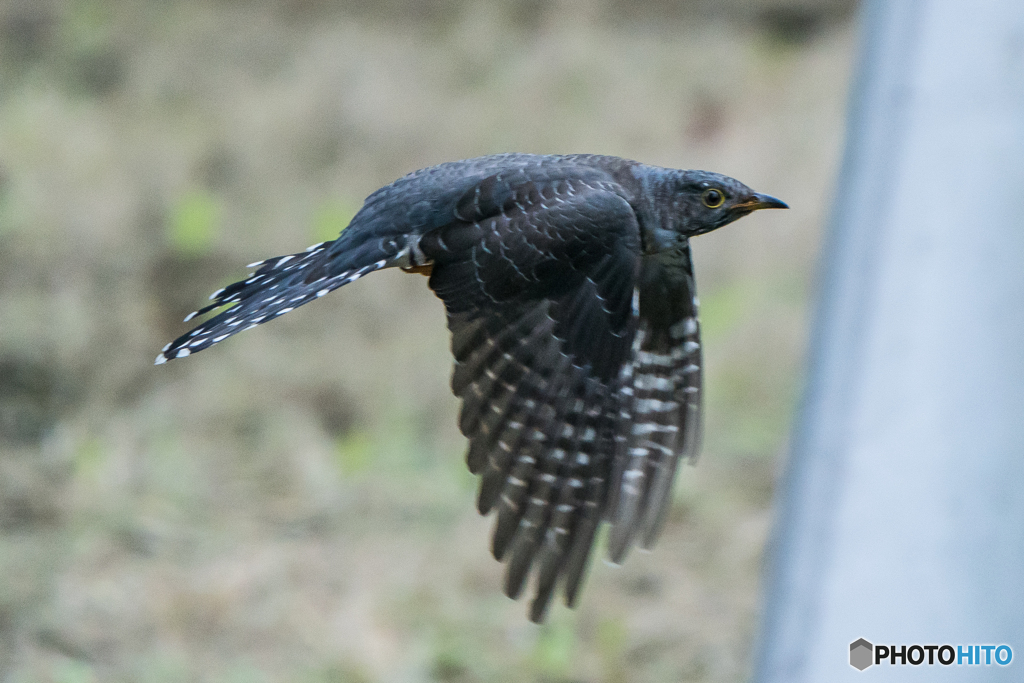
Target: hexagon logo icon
861	654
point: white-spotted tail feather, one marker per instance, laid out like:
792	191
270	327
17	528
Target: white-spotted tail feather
280	285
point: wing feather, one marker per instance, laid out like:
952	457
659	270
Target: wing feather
660	415
539	305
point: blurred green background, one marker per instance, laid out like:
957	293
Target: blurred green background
293	505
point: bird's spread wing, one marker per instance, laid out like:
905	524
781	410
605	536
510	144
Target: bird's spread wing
661	402
539	281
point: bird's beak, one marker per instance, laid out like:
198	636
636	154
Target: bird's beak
760	201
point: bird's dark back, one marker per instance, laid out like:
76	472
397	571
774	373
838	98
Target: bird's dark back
426	199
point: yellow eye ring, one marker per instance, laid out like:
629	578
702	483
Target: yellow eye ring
713	198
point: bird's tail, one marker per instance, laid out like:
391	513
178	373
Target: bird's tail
283	283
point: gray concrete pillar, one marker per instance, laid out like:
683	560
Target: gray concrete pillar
901	515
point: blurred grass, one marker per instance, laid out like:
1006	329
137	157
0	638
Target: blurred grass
332	217
293	505
193	223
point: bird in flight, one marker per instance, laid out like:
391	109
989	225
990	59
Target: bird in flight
569	291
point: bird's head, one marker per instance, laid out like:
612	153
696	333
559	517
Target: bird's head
706	201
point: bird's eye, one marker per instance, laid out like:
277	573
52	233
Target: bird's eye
712	198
